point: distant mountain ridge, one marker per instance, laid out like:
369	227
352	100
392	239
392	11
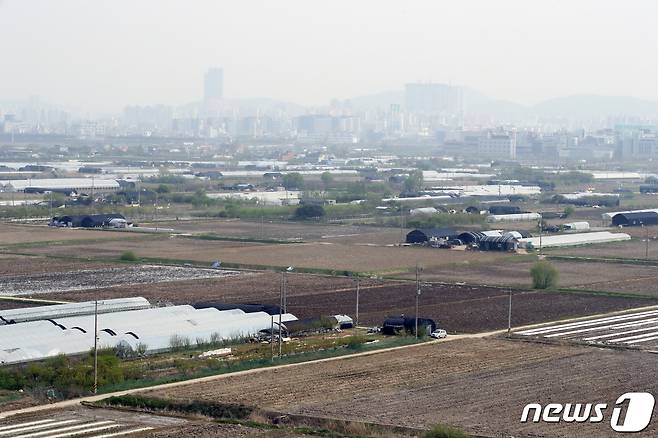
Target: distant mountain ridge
578	106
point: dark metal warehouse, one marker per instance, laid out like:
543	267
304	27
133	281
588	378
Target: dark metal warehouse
635	219
87	221
425	235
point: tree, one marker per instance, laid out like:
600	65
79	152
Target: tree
309	211
327	179
568	211
544	275
414	181
293	180
163	188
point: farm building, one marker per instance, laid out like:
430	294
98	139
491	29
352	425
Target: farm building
635	219
609	215
90	221
514	217
649	188
576	226
312	325
423	211
427	235
80	185
398	324
573	239
504	209
149	330
507	242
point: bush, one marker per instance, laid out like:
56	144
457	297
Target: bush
569	211
443	431
544	275
129	256
309	212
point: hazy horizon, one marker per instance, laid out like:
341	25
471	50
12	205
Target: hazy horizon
104	56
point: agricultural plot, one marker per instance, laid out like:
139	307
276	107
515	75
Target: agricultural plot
458	309
634	329
11	234
325	255
285	230
85	279
598	276
630	249
480	385
84	422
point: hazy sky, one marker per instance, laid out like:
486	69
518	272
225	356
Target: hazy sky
106	54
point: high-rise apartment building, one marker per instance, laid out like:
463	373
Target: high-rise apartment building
213	85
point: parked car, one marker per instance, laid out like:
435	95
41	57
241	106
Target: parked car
439	334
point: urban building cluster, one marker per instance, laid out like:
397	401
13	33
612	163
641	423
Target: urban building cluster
424	113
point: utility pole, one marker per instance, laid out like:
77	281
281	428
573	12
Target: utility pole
272	337
509	315
417	296
540	229
95	346
646	249
284	279
280	310
51	204
358	284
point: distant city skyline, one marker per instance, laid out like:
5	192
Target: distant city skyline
104	56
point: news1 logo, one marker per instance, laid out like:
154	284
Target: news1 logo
638	412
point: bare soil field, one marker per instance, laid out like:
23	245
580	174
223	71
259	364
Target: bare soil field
480	385
632	249
34	265
86	279
587	276
19	234
321	255
215	430
456	308
285	230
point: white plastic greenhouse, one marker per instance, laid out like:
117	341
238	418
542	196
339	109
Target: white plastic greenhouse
72	309
573	239
154	330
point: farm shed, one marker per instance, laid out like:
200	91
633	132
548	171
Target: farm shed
88	221
154	330
426	235
423	211
472	210
504	209
576	226
312	325
573	239
514	217
397	324
13	316
608	216
635	219
83	185
507	242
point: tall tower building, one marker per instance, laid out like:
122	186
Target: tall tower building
213	85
